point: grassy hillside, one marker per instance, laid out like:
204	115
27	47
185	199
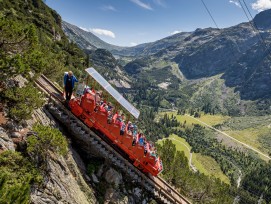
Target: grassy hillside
207	118
253	131
204	164
207	94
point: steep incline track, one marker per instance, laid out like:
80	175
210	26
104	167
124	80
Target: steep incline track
160	189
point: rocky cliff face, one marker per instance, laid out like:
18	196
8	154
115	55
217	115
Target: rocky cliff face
64	182
262	20
68	179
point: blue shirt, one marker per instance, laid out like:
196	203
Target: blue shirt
73	80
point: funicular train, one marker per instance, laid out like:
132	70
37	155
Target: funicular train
97	112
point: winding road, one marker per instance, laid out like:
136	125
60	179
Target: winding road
225	134
191	154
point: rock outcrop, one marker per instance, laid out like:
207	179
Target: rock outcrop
6	142
66	179
64	183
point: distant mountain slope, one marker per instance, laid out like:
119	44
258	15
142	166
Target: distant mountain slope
152	47
86	40
236	54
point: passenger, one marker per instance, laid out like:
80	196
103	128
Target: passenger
130	128
153	152
122	117
109	107
134	141
122	129
141	139
97	107
69	80
146	148
87	89
98	97
102	108
110	118
122	124
134	130
105	106
115	117
118	119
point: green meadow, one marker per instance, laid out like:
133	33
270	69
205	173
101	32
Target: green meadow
204	164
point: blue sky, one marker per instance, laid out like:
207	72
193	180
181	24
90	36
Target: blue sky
131	22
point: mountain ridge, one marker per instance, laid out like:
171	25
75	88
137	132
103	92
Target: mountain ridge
88	37
235	53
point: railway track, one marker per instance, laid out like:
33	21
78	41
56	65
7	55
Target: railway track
160	189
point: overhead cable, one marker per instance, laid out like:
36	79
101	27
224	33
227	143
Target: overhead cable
209	13
253	25
257	31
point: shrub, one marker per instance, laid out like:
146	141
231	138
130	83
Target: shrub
23	101
47	139
16	177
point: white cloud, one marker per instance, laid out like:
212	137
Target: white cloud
100	31
175	32
109	8
107	33
261	5
85	29
142	4
133	44
236	3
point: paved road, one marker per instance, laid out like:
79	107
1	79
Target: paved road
191	154
225	134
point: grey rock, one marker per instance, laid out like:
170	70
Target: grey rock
15	135
100	171
63	186
87	178
131	200
42	116
144	201
11	125
94	178
23	123
137	192
20	81
5	142
110	195
31	74
2	130
113	177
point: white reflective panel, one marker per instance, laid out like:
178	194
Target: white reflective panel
113	92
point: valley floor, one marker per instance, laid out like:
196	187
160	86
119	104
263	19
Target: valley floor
198	162
247	134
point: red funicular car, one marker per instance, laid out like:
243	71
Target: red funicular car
101	107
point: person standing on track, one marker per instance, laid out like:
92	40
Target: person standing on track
69	80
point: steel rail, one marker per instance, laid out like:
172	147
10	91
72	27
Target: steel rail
163	190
